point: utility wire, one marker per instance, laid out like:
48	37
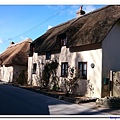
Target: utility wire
38	25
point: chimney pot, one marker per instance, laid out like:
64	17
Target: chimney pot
80	12
12	43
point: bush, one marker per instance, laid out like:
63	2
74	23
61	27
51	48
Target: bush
50	69
22	77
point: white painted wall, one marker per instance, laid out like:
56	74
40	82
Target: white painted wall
34	79
7	73
111	53
30	63
111	50
91	56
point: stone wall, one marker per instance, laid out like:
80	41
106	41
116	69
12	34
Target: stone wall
110	102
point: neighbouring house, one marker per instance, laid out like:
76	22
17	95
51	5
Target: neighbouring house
14	60
89	43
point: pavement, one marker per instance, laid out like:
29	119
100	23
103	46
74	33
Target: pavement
104	110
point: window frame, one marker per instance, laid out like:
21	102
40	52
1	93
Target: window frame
83	70
48	53
64	71
63	39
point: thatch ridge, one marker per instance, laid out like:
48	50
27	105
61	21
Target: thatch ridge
88	29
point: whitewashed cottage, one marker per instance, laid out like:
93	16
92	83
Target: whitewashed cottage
89	43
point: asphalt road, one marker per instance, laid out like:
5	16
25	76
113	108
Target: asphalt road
17	101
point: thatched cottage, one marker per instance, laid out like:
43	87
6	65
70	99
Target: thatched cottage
89	43
13	60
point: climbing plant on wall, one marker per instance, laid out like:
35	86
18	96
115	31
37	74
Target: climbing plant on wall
22	77
50	69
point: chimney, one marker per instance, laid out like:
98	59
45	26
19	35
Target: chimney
80	12
12	43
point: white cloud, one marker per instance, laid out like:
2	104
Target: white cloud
73	9
87	8
1	41
23	38
49	26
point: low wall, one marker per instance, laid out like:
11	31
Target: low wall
109	102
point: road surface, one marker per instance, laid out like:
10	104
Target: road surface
17	101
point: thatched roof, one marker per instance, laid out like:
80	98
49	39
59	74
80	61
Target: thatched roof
89	29
16	54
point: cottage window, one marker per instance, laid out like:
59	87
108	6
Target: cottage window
34	68
64	69
82	67
48	55
63	39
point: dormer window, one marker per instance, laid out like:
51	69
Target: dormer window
48	55
63	39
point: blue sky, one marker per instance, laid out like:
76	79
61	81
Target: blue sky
18	22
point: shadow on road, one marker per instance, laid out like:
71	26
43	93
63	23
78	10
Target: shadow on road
16	101
97	112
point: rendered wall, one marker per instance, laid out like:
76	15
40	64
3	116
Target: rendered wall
9	74
111	54
93	75
91	56
6	73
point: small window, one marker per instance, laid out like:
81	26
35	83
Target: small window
34	68
82	67
63	39
48	55
64	69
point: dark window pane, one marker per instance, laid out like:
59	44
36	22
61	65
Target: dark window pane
64	69
34	68
85	74
48	55
63	38
82	66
